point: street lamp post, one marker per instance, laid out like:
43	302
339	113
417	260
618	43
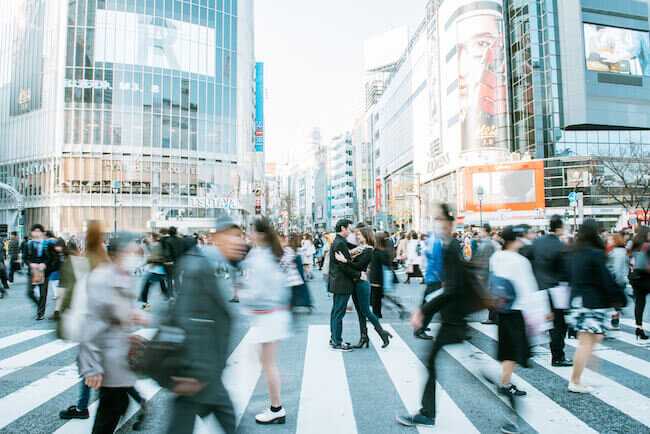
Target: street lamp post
115	187
480	192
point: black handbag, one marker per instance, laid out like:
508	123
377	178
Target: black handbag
161	357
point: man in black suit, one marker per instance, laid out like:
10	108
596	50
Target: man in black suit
547	257
453	305
341	283
38	262
201	312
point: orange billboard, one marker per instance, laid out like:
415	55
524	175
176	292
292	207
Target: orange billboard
517	186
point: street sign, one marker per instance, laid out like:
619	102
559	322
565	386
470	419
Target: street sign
632	222
573	197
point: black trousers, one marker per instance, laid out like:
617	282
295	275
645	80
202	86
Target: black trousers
14	265
185	411
558	333
376	293
640	293
113	402
3	276
431	287
41	300
447	334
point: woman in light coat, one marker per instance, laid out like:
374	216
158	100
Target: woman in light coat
104	347
414	249
307	251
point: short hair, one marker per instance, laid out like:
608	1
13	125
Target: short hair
487	228
446	212
14	233
163	231
172	231
343	223
556	222
49	234
37	226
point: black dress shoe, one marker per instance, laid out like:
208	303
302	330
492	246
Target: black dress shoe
422	335
39	318
562	363
73	412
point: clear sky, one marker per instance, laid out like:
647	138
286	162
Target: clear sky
313	61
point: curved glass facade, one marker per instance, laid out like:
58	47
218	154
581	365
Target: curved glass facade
149	95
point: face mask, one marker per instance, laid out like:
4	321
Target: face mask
130	264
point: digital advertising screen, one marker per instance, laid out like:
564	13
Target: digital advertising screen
617	50
514	186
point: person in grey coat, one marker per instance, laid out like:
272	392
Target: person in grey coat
201	311
104	346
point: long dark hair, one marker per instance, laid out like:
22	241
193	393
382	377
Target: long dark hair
639	239
589	237
369	235
263	226
380	237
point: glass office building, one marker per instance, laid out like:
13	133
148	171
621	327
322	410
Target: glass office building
127	110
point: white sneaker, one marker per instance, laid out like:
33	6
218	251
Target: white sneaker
268	417
577	388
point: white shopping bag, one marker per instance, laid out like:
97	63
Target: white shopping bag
561	296
536	309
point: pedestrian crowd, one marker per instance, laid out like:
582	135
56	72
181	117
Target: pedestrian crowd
532	283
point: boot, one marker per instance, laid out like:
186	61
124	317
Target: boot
364	339
385	336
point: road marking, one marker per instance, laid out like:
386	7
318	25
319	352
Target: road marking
620	397
35	355
537	409
638	366
37	393
324	382
22	337
409	375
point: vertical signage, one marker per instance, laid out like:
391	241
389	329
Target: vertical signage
377	195
259	107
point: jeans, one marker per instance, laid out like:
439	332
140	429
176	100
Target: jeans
113	402
152	278
336	317
361	298
84	396
184	414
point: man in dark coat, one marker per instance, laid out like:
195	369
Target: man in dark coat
201	311
341	283
547	257
453	305
38	261
14	253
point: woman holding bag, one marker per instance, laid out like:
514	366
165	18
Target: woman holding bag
595	293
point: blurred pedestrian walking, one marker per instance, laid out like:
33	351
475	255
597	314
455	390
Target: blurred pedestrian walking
414	252
594	293
267	298
38	259
640	276
201	312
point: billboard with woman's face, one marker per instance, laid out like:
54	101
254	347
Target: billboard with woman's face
472	39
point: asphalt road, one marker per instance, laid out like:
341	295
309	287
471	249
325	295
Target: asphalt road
330	392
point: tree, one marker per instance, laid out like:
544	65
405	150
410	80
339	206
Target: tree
625	178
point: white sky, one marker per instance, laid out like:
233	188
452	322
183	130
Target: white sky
313	62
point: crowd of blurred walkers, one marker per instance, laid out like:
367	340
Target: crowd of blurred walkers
587	277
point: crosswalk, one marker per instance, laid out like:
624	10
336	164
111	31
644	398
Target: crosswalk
326	403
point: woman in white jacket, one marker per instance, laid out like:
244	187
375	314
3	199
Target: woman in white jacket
267	298
514	268
618	264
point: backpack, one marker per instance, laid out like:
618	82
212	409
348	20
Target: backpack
476	281
640	259
502	291
72	320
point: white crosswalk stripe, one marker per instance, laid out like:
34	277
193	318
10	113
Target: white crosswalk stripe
325	380
620	397
22	337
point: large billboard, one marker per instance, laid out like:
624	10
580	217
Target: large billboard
617	50
134	39
27	58
513	186
259	107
